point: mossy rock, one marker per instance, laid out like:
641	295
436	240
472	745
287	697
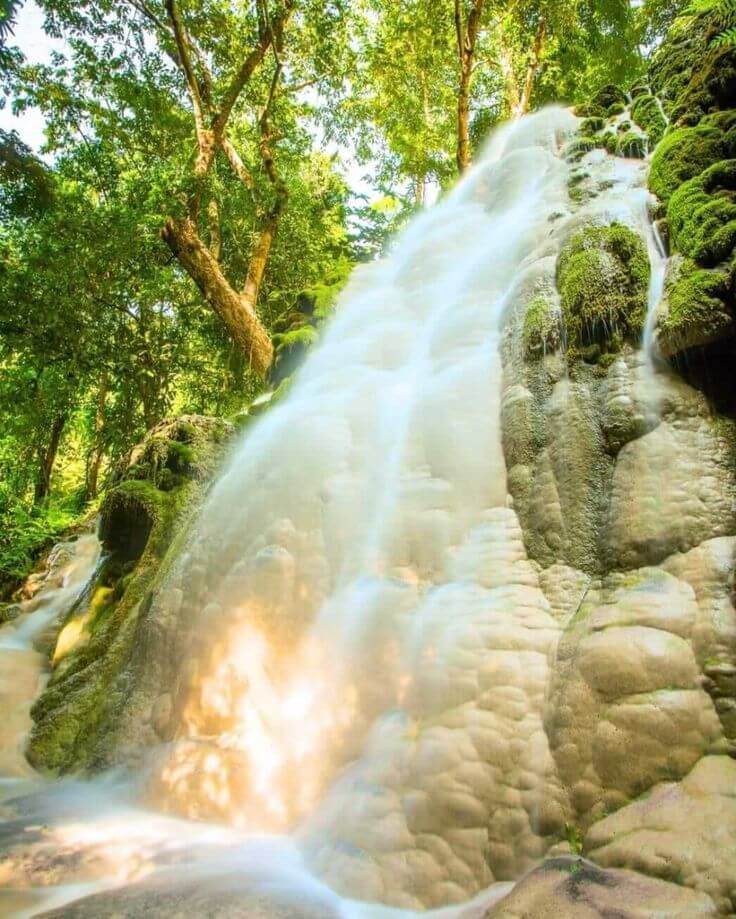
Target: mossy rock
77	714
639	89
589	110
675	62
609	142
592	125
646	112
698	307
631	146
127	517
579	147
9	612
686	152
603	280
712	87
290	350
610	95
542	331
702	215
618	108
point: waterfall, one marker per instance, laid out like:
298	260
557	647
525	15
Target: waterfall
360	543
364	647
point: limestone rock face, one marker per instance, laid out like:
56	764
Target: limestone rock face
579	889
629	504
681	832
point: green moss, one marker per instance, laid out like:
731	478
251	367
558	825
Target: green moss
697	307
618	108
578	148
590	110
711	87
639	89
603	279
303	336
83	701
702	215
646	112
610	95
675	63
631	146
541	332
686	152
592	125
574	186
609	141
180	457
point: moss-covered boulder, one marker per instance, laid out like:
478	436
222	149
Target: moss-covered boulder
542	332
697	308
631	145
691	76
702	215
687	152
608	96
646	112
295	332
603	278
156	490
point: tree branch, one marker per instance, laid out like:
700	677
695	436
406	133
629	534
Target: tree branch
271	34
236	163
459	27
183	47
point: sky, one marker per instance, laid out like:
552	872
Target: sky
37	47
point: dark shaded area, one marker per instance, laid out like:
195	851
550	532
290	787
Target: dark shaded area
711	369
125	525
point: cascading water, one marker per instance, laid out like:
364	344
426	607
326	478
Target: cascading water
364	647
69	568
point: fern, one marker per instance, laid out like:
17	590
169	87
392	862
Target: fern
726	39
724	17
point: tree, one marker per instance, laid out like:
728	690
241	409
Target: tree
155	76
401	100
468	23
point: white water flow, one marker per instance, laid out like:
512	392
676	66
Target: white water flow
69	568
365	648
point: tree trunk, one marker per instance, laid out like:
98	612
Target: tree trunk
531	71
511	88
47	458
256	270
463	117
237	311
420	183
94	460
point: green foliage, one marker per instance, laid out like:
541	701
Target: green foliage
603	278
574	838
25	532
723	16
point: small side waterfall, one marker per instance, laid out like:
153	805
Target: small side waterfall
68	570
